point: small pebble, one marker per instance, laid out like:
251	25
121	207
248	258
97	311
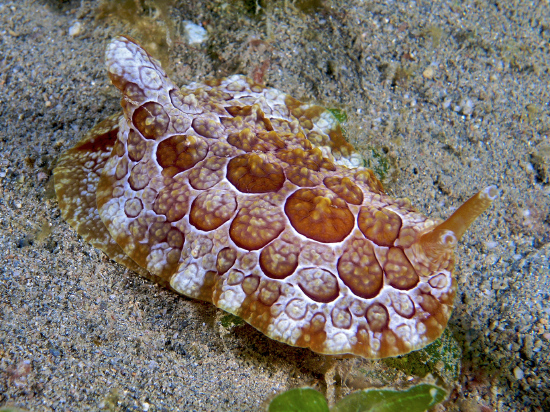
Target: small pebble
41	176
467	106
469	405
491	259
428	73
518	373
195	33
75	29
528	346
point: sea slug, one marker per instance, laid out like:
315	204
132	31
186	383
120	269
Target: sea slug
240	195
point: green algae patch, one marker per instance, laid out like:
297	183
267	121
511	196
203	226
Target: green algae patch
340	115
379	163
442	359
229	320
376	160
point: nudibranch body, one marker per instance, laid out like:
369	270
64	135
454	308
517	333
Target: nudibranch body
240	195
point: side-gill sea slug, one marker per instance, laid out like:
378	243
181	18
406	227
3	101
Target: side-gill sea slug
240	195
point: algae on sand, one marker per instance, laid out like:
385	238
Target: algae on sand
442	359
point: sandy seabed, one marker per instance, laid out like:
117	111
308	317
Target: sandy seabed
454	96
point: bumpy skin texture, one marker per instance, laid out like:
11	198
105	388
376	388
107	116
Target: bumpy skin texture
240	195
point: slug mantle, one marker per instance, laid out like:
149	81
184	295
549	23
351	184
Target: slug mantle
240	195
